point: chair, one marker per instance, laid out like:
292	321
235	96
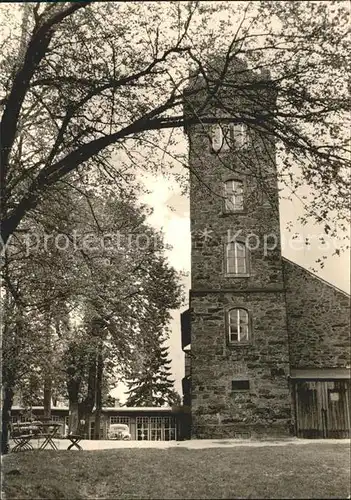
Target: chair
21	437
76	437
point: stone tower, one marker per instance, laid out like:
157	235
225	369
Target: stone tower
239	342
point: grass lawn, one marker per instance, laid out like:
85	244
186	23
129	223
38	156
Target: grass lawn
312	470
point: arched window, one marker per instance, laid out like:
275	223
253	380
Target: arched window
238	325
234	195
220	137
236	258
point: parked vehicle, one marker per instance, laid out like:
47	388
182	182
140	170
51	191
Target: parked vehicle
119	431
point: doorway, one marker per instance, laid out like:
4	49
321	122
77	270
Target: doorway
322	408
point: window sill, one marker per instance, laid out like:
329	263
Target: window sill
220	152
234	212
245	391
232	275
233	149
238	344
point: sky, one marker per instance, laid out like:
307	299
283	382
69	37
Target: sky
171	213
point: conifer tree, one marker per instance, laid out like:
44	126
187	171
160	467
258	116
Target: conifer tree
150	383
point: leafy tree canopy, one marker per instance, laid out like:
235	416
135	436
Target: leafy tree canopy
95	90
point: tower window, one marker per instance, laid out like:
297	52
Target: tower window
239	135
227	136
236	258
220	138
234	195
240	385
238	326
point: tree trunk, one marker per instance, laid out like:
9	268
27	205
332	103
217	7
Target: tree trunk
48	368
81	410
6	418
73	418
87	405
98	396
47	396
11	349
73	386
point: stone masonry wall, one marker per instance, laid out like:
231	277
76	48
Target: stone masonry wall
318	320
217	411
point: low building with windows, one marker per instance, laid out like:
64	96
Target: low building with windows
266	342
145	424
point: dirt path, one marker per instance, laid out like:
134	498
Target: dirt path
195	444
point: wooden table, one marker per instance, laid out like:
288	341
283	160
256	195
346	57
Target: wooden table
48	430
24	432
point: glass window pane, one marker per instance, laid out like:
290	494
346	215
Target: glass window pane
234	195
244	334
230	254
233	337
115	419
243	317
241	266
230	204
239	202
230	258
239	132
240	249
238	320
220	137
231	261
233	316
237	187
217	137
233	328
244	327
236	258
233	325
226	137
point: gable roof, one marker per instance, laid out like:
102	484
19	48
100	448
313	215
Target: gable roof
317	277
